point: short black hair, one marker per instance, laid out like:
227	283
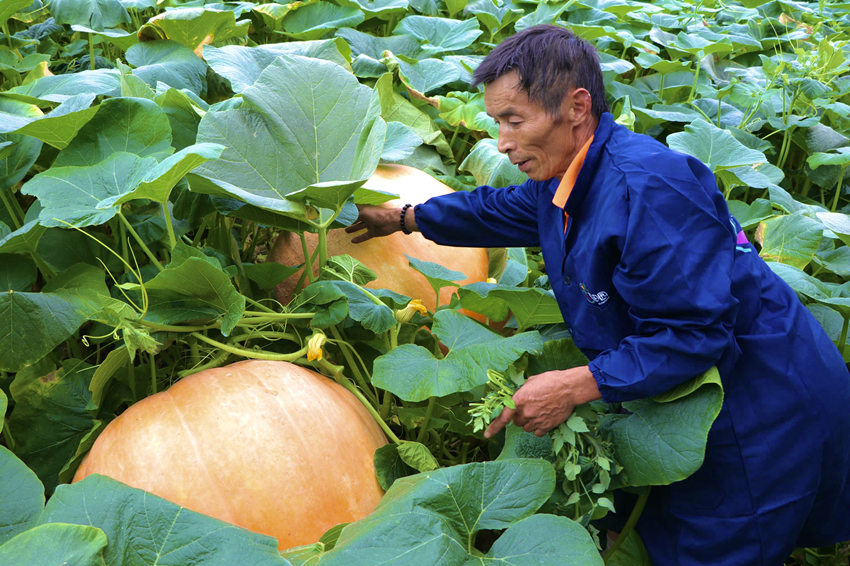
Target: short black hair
550	60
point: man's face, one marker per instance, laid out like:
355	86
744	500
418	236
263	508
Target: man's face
541	145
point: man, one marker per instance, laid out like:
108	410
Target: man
657	284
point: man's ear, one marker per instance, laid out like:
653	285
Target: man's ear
580	104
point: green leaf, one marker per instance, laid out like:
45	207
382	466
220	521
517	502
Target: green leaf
97	14
145	530
522	444
73	194
362	305
396	108
383	9
440	35
314	21
25	239
9	7
791	239
426	75
530	305
804	284
494	16
437	514
58	88
267	275
51	416
412	373
195	27
542	540
437	275
56	128
491	167
131	125
164	176
389	466
347	268
193	290
838	223
400	143
632	552
293	117
21	499
749	215
840	158
417	456
242	65
168	62
663	439
56	543
18	274
34	324
715	147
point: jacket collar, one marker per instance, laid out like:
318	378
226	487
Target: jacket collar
591	163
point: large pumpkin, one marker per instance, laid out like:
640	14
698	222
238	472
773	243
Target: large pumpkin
269	446
386	256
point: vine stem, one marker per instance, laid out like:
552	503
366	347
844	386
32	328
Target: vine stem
254	354
423	428
13	212
358	376
838	189
172	239
139	241
629	526
91	51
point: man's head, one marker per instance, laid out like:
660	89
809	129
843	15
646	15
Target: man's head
550	60
543	87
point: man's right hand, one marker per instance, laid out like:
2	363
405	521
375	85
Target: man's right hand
379	221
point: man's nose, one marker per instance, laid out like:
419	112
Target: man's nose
504	143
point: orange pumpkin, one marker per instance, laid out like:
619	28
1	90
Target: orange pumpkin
386	256
269	446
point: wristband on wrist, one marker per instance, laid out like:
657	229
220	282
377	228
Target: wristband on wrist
401	219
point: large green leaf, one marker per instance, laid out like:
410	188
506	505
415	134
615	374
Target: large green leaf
9	7
831	294
19	157
494	16
56	128
145	530
18	273
383	9
97	14
432	518
541	540
243	65
413	373
293	117
791	239
21	498
344	297
52	414
318	19
491	167
193	290
56	543
663	439
396	108
25	239
132	125
440	35
437	275
91	195
34	324
168	62
530	305
58	88
715	147
426	75
194	27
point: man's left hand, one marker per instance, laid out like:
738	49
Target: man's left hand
547	399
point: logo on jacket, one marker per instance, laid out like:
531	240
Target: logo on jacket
599	298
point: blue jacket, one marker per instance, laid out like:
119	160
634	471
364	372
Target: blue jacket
658	284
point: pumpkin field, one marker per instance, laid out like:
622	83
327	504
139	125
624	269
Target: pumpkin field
197	366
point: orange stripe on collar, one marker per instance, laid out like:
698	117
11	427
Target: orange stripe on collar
569	179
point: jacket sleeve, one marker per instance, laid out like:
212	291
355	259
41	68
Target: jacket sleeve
675	275
485	217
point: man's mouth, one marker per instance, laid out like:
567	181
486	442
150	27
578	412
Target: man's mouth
522	165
